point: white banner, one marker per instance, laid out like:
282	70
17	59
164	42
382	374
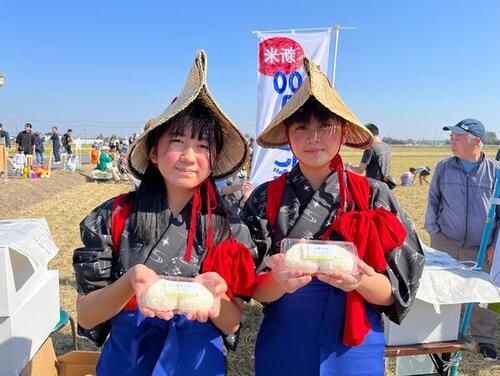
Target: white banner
279	75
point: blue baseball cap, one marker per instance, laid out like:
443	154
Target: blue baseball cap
469	126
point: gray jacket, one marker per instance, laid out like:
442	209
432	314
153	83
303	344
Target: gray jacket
458	203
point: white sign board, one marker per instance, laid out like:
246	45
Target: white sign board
279	74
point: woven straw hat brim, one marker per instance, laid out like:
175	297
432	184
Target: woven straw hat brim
234	153
315	85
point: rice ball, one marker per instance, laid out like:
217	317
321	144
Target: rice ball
162	296
199	300
340	260
294	259
179	296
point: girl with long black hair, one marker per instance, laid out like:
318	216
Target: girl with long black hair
174	224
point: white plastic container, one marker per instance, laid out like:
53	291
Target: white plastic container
29	293
424	324
319	256
181	295
26	329
26	247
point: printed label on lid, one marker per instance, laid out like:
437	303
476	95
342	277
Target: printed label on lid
182	288
318	252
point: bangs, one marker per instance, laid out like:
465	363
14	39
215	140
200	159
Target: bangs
312	108
203	124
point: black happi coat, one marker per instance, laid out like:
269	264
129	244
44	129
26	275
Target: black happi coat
305	213
96	266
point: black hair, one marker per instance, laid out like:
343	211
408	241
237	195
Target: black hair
372	128
412	170
70	130
28	125
312	108
20	149
149	210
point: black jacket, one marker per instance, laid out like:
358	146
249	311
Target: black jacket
26	141
56	141
5	135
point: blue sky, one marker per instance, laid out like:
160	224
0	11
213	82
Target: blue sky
410	68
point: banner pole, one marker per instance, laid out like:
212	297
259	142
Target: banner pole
337	33
290	30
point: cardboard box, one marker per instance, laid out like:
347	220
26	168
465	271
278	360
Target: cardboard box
26	247
78	363
424	325
74	363
25	330
43	363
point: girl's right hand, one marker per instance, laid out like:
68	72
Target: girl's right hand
289	280
141	279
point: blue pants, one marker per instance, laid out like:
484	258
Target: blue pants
139	346
39	157
57	153
301	334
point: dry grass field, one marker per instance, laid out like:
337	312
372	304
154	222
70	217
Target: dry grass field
66	198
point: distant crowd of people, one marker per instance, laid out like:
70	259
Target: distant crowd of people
29	149
111	158
30	146
31	143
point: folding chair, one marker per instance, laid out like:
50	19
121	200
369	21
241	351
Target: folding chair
64	317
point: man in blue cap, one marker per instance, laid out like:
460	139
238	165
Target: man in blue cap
457	206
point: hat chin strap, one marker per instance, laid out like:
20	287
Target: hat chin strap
337	165
195	211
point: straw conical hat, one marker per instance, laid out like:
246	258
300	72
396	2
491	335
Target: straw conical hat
234	152
315	85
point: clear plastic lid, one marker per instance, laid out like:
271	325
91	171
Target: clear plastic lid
319	256
181	295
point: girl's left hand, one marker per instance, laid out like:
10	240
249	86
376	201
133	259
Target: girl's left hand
348	282
217	286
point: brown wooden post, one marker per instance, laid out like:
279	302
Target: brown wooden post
3	161
50	166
